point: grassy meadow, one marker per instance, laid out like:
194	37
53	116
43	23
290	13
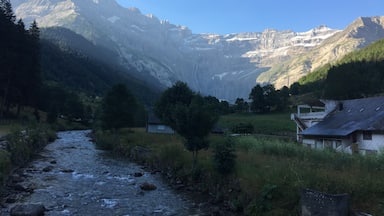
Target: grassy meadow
269	173
268	124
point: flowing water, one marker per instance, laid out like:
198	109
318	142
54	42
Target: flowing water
71	177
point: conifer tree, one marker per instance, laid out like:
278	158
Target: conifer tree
7	51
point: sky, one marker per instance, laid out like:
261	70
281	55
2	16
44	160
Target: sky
235	16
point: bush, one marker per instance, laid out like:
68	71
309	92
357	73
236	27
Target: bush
18	147
5	165
243	128
224	157
107	140
23	143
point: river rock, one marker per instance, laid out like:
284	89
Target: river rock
28	210
147	186
21	188
53	162
3	144
48	169
15	178
67	170
138	174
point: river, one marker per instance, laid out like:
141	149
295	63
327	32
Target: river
71	177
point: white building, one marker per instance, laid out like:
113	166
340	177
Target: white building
349	125
154	125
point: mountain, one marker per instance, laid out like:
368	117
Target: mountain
225	66
74	71
359	34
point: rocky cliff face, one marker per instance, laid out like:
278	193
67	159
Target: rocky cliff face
362	32
226	66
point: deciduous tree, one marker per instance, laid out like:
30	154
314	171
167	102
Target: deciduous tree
189	115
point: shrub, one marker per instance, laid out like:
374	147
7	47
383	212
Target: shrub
107	140
18	147
243	128
5	165
23	143
224	157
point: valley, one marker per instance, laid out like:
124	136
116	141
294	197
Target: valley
224	66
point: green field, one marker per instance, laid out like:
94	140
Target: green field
272	124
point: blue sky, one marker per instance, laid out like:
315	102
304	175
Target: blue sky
233	16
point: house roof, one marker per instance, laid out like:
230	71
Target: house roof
351	115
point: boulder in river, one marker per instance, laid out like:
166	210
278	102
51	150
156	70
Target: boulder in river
138	174
48	169
28	210
147	186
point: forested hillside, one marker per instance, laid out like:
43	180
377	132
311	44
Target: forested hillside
38	69
36	63
81	73
20	78
358	74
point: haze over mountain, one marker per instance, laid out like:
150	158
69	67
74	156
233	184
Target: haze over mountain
225	66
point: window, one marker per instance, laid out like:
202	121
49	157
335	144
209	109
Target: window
338	143
328	144
367	135
319	144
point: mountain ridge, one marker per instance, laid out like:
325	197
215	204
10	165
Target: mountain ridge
226	66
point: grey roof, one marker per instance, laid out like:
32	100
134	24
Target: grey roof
366	114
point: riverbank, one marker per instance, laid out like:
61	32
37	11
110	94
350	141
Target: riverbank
71	177
19	145
269	173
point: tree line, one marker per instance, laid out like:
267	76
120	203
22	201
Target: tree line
358	74
20	77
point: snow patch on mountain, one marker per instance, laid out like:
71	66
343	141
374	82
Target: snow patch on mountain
113	19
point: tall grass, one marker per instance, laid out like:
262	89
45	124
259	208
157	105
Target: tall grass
22	144
5	165
292	167
269	172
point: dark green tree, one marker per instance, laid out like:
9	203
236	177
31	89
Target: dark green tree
264	98
257	97
73	107
19	61
33	74
7	11
295	88
283	95
241	105
224	157
177	95
118	108
189	115
8	53
225	107
220	107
